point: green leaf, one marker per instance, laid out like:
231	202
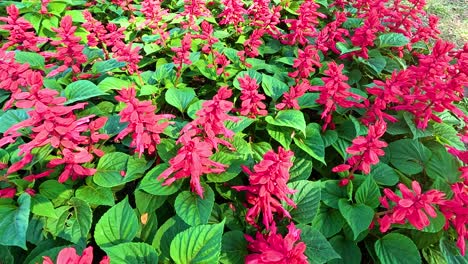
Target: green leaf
288	118
332	193
409	156
198	244
164	71
442	165
302	167
11	117
233	160
81	90
312	143
152	185
74	223
118	225
451	252
392	40
193	209
42	206
132	252
318	248
283	135
166	234
308	101
347	249
447	134
273	87
234	248
112	165
35	60
358	217
328	221
368	193
307	199
14	222
384	174
106	66
113	83
180	98
95	195
55	191
397	248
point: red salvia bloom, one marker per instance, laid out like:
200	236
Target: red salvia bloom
413	206
154	14
192	160
221	62
290	98
305	62
13	76
207	35
456	213
254	42
233	13
265	18
7	192
367	149
306	24
268	187
126	53
182	55
332	33
69	49
72	161
96	29
273	248
335	92
69	256
144	125
22	35
365	35
252	105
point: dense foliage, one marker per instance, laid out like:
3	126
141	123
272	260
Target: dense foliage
234	131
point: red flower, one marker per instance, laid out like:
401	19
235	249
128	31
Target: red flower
8	192
367	149
192	160
305	62
253	43
143	124
306	24
335	92
233	13
273	248
207	35
456	213
69	256
295	92
252	105
72	161
182	55
414	206
268	187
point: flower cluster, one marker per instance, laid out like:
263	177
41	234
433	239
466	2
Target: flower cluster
68	255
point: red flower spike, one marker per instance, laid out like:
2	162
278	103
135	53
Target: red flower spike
252	105
306	24
456	213
274	248
268	187
69	255
414	206
7	192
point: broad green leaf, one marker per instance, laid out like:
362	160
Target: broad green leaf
95	195
302	167
117	168
307	199
308	101
240	125
152	185
397	248
447	134
259	149
132	252
113	83
14	222
347	249
118	225
11	117
273	87
57	192
52	251
312	143
234	248
164	71
318	248
409	156
75	221
180	98
42	206
234	161
283	135
193	209
166	234
442	164
392	40
358	217
417	133
384	174
288	118
328	221
35	60
451	252
108	65
198	244
332	193
146	202
368	193
81	90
